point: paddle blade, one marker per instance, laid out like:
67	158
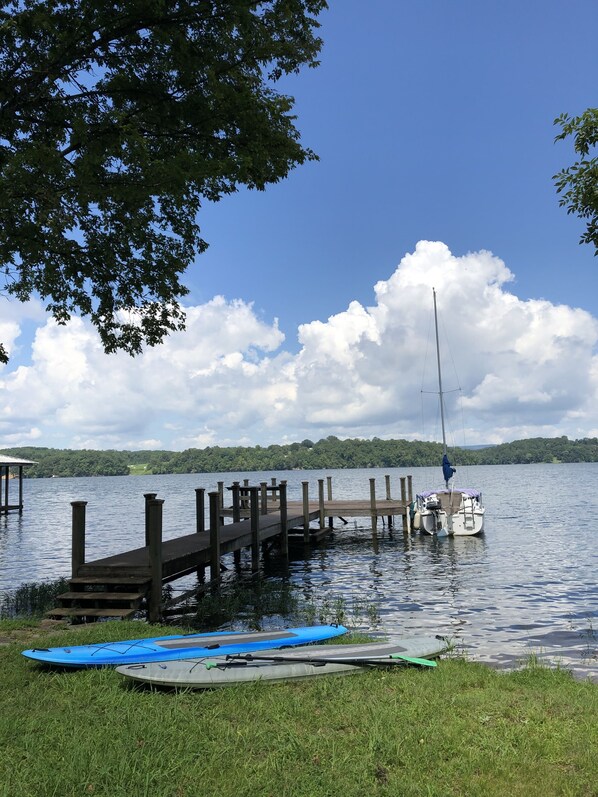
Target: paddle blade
413	660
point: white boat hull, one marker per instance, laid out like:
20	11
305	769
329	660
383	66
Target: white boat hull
449	514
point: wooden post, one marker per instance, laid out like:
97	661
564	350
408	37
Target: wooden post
221	500
373	510
264	498
214	503
236	502
321	502
404	502
7	482
20	489
284	533
155	558
329	493
387	480
305	487
254	511
200	510
148	497
410	488
236	499
78	536
200	525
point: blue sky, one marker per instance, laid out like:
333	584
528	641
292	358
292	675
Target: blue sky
433	122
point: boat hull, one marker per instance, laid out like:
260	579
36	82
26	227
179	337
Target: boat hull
449	513
439	524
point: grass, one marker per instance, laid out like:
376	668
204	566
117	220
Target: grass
459	729
140	470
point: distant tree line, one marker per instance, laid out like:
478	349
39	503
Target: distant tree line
307	455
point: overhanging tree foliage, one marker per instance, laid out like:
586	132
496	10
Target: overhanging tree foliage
578	184
116	120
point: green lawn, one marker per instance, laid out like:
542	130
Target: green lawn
458	729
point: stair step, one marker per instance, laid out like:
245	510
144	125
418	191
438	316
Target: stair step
70	612
120	573
91	595
120	581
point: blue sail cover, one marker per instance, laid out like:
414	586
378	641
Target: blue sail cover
447	468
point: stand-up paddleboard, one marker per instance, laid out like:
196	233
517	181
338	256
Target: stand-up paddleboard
170	648
283	665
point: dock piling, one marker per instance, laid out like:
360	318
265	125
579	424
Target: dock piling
264	498
305	489
236	501
329	495
236	505
155	558
321	501
148	497
254	512
214	500
284	536
388	498
200	518
373	510
78	536
404	500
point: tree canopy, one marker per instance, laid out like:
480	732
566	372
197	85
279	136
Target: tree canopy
578	183
117	119
327	453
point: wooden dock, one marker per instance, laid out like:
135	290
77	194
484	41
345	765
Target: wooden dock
120	585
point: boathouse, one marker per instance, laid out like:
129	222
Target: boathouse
11	470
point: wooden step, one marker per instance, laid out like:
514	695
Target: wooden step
119	581
68	611
121	572
103	597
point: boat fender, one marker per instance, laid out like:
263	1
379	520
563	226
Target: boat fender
417	521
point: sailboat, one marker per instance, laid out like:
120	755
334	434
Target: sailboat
450	511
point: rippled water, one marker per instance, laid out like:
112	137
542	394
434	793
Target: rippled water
527	585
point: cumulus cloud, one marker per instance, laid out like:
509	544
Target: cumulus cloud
525	368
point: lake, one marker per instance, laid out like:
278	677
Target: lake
526	586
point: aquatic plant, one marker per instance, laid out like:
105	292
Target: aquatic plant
31	599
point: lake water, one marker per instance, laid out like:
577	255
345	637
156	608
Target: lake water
526	586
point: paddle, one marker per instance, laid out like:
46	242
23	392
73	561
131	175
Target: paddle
391	659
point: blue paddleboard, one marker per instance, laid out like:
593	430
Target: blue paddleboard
171	648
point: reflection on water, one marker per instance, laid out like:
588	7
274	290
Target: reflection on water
527	586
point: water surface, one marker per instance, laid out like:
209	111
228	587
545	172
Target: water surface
526	586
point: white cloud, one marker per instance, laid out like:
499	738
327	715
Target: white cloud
525	367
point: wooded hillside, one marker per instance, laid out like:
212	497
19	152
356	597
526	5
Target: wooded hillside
307	455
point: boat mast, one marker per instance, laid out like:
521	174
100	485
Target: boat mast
439	375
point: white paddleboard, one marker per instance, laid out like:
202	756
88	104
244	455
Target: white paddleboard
283	664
